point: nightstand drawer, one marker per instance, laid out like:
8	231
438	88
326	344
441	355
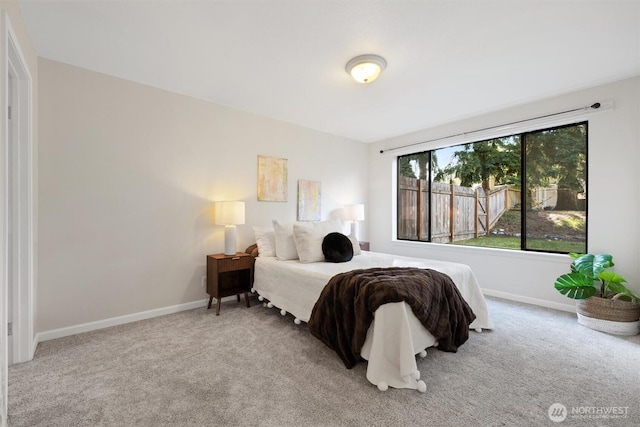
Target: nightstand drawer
234	263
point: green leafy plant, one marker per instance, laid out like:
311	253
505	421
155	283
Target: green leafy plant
590	276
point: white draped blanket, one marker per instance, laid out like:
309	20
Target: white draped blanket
396	335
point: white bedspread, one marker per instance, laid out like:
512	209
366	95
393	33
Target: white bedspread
396	335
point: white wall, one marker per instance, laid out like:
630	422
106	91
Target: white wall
128	174
613	199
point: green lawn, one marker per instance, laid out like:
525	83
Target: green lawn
504	242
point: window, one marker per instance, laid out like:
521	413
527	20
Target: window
526	191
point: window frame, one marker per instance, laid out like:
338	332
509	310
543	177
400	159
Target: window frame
523	160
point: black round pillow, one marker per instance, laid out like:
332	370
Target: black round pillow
337	247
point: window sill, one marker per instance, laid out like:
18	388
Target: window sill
475	250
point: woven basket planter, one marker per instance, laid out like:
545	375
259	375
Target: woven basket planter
614	316
609	309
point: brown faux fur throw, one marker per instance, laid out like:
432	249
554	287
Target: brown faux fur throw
343	313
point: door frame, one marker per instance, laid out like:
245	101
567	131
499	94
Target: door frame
20	166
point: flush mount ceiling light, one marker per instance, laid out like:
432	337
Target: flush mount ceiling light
366	68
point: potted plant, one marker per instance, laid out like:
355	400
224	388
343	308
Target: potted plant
603	302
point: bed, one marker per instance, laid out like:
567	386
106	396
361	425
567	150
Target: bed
395	336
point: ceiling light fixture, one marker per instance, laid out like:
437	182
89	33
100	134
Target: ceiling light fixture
366	68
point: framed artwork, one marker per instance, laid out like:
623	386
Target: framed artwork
272	179
309	198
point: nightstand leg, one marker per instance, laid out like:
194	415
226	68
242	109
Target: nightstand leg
209	306
246	298
218	306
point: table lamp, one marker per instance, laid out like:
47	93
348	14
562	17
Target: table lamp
229	214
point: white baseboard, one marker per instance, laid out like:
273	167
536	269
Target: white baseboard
528	300
100	324
114	321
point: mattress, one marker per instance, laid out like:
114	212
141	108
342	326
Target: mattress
295	287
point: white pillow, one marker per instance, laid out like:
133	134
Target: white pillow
308	238
285	246
356	245
266	241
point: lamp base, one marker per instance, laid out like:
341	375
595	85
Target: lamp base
354	229
230	246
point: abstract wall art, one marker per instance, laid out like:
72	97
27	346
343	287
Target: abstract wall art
272	179
309	200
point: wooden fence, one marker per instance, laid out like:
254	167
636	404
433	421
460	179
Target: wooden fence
458	213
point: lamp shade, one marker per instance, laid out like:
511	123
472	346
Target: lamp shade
354	212
229	213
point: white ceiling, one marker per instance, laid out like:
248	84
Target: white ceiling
446	60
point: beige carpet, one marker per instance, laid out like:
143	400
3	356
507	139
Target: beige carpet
255	367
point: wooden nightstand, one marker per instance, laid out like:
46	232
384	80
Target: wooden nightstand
364	246
228	275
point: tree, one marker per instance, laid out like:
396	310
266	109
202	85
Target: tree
559	156
409	163
479	162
